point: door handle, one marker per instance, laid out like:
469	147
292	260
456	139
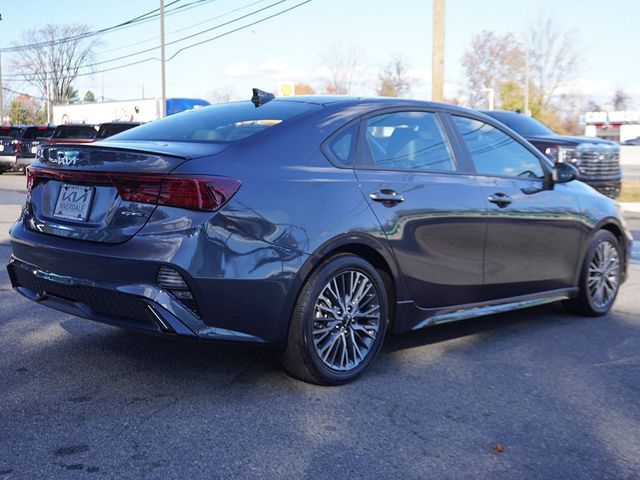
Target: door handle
387	197
500	199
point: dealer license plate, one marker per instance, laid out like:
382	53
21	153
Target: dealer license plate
74	202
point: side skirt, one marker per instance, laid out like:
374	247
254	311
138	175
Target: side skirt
415	318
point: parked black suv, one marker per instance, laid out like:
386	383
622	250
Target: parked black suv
32	137
597	160
9	138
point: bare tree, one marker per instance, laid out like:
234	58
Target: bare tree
394	79
621	100
554	57
52	57
490	61
222	95
343	67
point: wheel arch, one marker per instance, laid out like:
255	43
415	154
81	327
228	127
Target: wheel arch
370	249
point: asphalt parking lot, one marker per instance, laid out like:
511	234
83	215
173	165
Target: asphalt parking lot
531	394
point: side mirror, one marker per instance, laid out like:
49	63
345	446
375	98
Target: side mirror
563	172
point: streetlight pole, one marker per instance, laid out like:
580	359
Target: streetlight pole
163	108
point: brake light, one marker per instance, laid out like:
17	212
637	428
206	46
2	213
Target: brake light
207	193
199	193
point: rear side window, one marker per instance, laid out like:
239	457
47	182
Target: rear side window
37	132
493	152
339	148
111	129
408	140
219	123
74	132
10	132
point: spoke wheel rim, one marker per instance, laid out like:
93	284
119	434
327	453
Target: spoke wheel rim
604	275
346	320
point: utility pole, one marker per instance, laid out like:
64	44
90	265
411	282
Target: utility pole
491	97
163	109
527	112
437	55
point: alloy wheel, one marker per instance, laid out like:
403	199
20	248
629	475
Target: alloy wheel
604	275
346	320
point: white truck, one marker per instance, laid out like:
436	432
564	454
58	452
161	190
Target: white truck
141	110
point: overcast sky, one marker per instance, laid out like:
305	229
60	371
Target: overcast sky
290	46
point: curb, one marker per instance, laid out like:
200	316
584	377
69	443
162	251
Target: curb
633	207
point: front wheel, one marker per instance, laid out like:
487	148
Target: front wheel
339	322
600	277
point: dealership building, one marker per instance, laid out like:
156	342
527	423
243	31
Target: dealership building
618	126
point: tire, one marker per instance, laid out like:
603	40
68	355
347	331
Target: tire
328	344
600	277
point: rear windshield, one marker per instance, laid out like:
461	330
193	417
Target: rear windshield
113	129
227	122
37	132
521	124
10	132
74	131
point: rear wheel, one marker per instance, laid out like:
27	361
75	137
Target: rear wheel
600	277
339	322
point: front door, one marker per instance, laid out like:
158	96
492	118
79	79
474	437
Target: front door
431	213
534	232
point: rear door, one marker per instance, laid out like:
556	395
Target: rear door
430	210
534	232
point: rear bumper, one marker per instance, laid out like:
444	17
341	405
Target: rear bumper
7	162
242	286
23	161
139	307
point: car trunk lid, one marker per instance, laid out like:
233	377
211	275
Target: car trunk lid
104	192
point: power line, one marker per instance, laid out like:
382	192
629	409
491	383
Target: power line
15	92
238	29
145	17
226	14
203	41
138	62
140	52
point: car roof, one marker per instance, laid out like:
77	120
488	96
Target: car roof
347	101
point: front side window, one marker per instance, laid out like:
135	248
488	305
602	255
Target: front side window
408	140
493	152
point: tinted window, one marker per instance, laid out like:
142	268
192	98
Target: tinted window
408	140
37	132
521	124
10	132
110	129
495	153
341	146
74	131
219	123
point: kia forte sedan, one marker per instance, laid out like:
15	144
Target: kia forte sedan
318	224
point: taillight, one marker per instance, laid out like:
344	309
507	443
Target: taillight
199	192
